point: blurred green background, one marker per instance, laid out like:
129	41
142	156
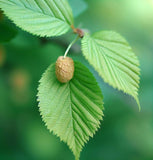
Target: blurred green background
125	133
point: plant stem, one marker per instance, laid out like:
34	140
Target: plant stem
70	45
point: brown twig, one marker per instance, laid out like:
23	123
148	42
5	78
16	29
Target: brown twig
78	31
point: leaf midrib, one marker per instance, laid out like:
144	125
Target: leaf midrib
117	60
113	51
94	40
30	9
72	121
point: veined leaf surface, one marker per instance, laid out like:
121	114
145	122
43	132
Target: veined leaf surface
73	110
39	17
112	57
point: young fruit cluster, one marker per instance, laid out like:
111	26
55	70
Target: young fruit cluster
64	69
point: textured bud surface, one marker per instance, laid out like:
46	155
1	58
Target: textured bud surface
64	69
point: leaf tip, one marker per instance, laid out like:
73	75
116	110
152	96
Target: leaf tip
138	102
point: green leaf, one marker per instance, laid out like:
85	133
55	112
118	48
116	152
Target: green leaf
43	18
73	110
112	57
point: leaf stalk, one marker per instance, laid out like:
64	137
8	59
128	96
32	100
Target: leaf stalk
70	45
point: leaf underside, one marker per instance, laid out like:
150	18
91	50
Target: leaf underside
43	18
72	111
112	57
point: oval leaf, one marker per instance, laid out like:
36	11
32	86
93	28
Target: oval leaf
112	57
43	18
73	110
